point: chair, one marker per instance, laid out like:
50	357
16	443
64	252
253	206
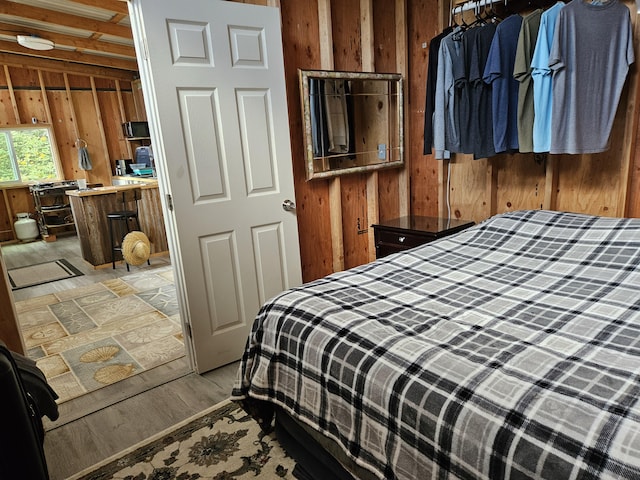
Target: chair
120	221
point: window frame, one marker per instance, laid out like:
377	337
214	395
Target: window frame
54	153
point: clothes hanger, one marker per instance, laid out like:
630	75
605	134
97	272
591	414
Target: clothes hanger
491	12
479	19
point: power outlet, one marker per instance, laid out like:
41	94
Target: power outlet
382	151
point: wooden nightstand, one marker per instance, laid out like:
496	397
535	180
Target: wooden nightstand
407	232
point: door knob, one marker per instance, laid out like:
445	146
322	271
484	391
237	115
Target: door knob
288	205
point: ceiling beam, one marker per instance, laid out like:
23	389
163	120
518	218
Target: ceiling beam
117	6
23	61
77	57
65	19
76	42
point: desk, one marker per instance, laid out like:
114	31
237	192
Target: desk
90	209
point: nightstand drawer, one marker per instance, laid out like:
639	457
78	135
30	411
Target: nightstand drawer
403	233
402	239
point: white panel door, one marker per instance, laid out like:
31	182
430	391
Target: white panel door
213	79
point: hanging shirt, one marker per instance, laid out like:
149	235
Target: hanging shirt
499	74
462	111
542	80
590	57
477	137
337	115
445	123
522	74
432	76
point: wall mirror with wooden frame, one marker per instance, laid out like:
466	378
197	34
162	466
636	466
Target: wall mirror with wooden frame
353	122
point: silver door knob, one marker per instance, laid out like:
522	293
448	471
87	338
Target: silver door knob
288	205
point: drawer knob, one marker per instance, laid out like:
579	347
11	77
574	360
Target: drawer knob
402	239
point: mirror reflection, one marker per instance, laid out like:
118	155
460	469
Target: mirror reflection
353	121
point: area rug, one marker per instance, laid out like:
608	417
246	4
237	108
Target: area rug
222	443
40	273
89	337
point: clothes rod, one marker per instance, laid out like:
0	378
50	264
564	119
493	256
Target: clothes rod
473	5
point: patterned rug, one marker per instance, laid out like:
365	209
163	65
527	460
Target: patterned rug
40	273
222	443
92	336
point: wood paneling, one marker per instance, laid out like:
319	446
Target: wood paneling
385	59
300	31
152	220
77	106
90	214
64	129
347	56
423	24
14	200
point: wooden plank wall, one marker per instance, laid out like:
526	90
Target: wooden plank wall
81	104
334	215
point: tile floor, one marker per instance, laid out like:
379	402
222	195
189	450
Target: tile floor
87	337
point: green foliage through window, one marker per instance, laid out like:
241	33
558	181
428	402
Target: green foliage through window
26	155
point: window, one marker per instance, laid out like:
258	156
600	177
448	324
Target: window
28	154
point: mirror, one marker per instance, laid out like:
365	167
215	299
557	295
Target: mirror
353	122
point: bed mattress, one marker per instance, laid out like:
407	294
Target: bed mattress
509	350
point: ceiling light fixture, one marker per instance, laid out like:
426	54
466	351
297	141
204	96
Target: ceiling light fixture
34	42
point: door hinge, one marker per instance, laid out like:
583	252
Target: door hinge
187	327
169	202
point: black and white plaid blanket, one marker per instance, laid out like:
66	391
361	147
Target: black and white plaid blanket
510	350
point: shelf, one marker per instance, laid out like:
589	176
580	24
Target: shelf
58	225
57	210
49	208
52	210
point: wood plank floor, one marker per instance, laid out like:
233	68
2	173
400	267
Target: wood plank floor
74	446
102	423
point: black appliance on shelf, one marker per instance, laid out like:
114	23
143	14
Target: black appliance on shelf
123	166
135	129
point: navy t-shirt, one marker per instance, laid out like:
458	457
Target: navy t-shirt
499	73
477	42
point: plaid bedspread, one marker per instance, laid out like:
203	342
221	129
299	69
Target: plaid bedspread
510	350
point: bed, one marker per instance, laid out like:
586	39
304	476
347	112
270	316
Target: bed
509	350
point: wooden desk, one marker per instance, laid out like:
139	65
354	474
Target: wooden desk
90	209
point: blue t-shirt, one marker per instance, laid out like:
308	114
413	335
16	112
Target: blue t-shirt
542	80
499	73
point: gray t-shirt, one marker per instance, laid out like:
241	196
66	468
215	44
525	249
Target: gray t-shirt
590	57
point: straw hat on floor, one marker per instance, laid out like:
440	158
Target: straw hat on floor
136	248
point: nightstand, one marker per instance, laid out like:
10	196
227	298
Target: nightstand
403	233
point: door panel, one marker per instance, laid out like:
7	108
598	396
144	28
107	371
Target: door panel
255	130
220	252
208	180
269	245
213	79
